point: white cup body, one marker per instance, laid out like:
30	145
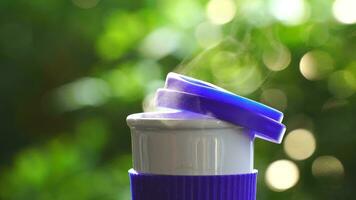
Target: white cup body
189	146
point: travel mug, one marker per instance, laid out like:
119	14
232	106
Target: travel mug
199	144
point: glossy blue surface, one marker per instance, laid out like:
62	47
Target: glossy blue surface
185	93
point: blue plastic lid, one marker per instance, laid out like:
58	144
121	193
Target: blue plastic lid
186	93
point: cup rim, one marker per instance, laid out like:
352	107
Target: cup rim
176	120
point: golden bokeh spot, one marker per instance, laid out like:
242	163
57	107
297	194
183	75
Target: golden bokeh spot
327	166
344	11
282	175
275	98
299	144
316	65
221	11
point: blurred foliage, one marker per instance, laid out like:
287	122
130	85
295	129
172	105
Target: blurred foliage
71	71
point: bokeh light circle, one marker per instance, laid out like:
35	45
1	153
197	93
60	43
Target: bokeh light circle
275	98
282	175
290	12
277	59
161	42
342	84
208	34
344	11
316	65
221	11
299	144
327	166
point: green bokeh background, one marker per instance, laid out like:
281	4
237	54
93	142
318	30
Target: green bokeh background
71	71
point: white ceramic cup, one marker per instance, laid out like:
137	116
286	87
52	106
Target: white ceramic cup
183	143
